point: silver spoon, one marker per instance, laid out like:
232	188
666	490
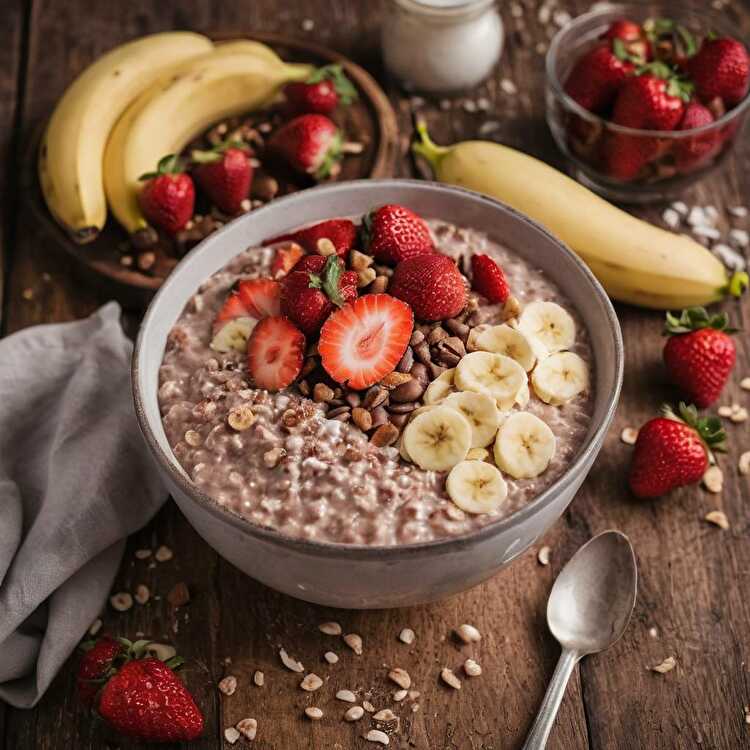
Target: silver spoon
588	610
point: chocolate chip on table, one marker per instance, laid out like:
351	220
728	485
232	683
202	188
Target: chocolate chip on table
379	416
362	418
406	361
385	435
374	397
436	334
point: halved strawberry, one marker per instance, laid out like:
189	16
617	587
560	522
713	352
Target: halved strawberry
341	232
285	259
364	341
275	351
251	298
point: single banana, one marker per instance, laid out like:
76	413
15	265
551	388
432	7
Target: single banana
481	414
524	446
174	109
476	487
635	261
437	439
511	342
71	151
560	377
497	376
233	335
440	388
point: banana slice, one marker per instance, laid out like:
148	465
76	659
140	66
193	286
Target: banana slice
524	446
476	487
402	450
523	396
439	388
478	454
437	439
233	335
474	334
480	412
560	378
550	324
508	341
495	375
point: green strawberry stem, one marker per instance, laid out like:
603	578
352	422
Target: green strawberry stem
208	156
708	428
334	73
332	157
695	318
426	148
329	281
169	164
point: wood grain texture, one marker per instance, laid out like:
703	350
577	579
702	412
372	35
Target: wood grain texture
692	574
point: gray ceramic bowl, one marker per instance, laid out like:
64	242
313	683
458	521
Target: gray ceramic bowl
358	576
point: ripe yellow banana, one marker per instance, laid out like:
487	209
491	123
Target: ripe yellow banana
636	262
164	118
72	148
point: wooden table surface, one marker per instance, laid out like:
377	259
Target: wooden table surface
693	601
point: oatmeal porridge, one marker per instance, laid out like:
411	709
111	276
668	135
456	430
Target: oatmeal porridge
383	395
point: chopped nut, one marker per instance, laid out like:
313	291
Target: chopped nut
376	735
400	677
379	285
725	411
95	626
228	685
512	308
359	261
241	417
330	628
406	636
449	678
314	713
352	147
142	593
322	393
259	678
365	277
325	247
543	555
472	668
231	735
248	728
395	379
468	634
142	554
362	418
347	696
290	663
713	479
414	694
355	713
368	707
193	438
290	418
385	435
717	518
629	435
743	465
666	666
163	554
272	457
311	682
330	657
745	384
384	715
739	414
121	601
399	695
179	595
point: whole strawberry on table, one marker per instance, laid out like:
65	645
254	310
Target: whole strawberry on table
655	76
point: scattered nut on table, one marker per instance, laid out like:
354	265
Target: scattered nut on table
468	633
400	677
407	636
472	668
347	696
314	713
248	728
121	601
355	713
330	628
665	666
629	435
713	479
543	555
259	678
717	518
289	663
354	642
228	685
449	678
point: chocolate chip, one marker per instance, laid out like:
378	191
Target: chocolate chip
399	420
436	334
386	434
422	353
375	396
338	411
436	370
416	338
406	361
405	408
454	344
410	391
457	328
420	372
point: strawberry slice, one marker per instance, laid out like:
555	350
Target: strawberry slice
275	351
252	298
285	259
341	232
364	341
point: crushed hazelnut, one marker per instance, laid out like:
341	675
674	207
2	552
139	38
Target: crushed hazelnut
472	668
743	465
717	518
248	728
259	678
346	695
400	677
359	261
330	628
376	735
355	713
121	602
163	554
311	682
468	633
314	713
713	479
354	642
745	384
407	636
368	707
330	657
231	735
228	685
384	714
666	666
325	247
366	277
241	418
629	435
543	555
289	663
450	679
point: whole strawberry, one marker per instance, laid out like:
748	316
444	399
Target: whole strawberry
431	285
394	233
721	68
96	663
673	451
225	174
314	288
167	197
653	100
699	354
342	233
322	92
309	144
691	153
488	278
598	75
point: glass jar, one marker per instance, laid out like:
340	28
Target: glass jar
441	46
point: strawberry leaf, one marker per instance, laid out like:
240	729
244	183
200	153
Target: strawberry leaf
709	428
169	164
330	280
334	73
695	318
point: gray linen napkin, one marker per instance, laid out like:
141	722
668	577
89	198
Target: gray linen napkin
75	480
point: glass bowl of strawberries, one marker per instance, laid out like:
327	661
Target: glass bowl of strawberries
646	98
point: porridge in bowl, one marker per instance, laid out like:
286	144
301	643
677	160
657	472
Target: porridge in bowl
382	383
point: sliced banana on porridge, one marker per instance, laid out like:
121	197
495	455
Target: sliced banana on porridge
511	342
524	446
476	487
549	324
437	439
523	396
439	388
481	413
233	336
495	375
560	378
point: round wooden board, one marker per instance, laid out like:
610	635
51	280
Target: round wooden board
99	261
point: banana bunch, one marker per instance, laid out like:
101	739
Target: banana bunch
72	152
472	407
635	261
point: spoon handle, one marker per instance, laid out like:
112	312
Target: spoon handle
537	738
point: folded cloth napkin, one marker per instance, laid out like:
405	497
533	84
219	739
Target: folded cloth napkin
75	480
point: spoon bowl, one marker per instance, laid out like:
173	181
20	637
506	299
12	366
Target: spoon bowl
594	595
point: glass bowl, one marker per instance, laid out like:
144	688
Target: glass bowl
681	157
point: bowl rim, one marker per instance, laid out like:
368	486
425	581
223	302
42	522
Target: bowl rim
358	551
621	9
